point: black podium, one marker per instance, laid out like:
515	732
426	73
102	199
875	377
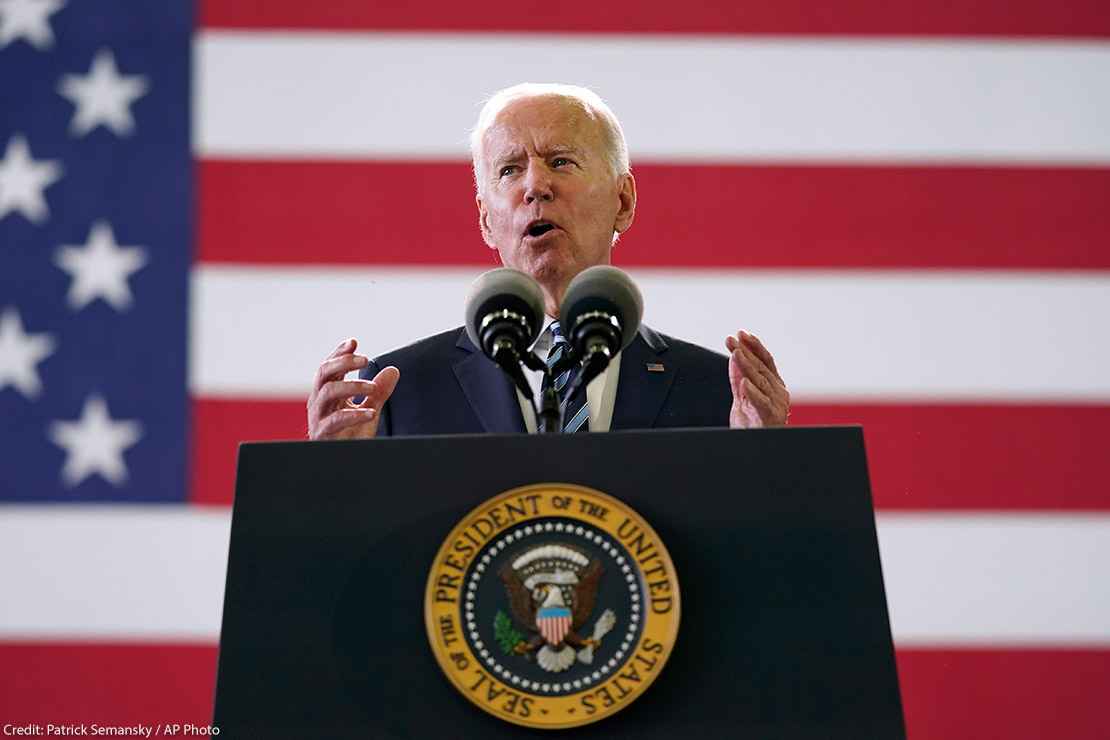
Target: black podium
784	627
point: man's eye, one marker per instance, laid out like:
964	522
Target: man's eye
559	161
506	170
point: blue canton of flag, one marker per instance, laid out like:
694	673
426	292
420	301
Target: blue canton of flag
96	198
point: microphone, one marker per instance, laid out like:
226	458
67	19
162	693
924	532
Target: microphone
504	316
600	314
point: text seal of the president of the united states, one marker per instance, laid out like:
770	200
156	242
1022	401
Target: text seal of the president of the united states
552	605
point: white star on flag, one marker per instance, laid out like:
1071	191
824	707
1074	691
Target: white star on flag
95	443
22	181
103	97
20	352
28	20
100	269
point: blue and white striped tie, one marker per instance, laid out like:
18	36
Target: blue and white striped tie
576	413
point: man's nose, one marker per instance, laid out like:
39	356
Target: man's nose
537	185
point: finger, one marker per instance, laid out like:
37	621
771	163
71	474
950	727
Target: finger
756	346
346	347
381	387
337	421
335	394
773	408
768	372
763	404
734	343
735	370
336	367
755	370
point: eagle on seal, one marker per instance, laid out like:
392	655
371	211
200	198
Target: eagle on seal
552	590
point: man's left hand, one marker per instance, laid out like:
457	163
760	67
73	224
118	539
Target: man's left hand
759	396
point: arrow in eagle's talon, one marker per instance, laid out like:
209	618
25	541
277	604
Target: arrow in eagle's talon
604	624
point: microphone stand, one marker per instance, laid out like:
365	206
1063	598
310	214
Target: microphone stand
593	365
598	334
549	415
596	360
549	418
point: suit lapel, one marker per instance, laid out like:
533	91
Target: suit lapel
642	387
490	393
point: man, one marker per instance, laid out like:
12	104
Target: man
554	192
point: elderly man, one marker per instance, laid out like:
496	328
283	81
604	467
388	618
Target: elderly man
554	192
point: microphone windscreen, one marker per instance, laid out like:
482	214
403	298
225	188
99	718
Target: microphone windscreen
606	288
504	288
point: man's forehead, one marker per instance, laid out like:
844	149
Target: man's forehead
549	124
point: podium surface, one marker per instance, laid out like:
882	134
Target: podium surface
784	628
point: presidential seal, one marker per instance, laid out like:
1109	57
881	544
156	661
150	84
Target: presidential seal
552	606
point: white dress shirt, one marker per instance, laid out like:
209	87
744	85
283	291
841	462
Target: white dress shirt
601	393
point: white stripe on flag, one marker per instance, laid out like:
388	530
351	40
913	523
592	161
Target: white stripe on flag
712	98
126	572
148	573
995	577
873	335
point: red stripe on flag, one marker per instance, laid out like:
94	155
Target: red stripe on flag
1005	693
979	456
760	216
954	694
110	684
219	425
887	17
921	456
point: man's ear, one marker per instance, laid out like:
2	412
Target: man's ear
627	209
483	222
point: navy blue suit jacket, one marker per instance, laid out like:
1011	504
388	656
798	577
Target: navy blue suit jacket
448	386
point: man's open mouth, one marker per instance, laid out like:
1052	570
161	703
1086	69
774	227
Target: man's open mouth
539	228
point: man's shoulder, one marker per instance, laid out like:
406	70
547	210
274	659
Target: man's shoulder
438	346
691	356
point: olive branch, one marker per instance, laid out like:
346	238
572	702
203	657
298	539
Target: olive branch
504	632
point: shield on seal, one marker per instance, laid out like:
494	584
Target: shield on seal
554	623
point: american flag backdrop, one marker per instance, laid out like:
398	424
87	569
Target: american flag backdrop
908	201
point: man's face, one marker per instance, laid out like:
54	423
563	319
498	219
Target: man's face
549	201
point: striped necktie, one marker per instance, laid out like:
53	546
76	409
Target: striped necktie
576	413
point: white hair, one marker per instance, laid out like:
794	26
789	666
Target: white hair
616	150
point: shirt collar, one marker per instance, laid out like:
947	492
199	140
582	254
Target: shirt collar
543	341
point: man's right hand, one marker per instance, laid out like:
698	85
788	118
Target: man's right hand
331	412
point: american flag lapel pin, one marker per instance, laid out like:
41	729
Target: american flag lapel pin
655	367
